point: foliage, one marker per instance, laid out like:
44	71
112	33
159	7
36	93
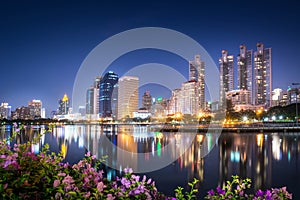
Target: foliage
236	189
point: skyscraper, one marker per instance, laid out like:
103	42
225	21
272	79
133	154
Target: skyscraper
147	100
189	98
197	73
89	102
63	108
226	76
263	76
127	96
244	67
5	111
105	93
35	107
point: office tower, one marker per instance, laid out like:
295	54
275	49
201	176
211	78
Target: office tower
263	76
106	88
127	96
63	108
114	101
174	105
21	113
147	100
189	98
89	101
5	111
226	76
35	107
96	94
244	68
197	73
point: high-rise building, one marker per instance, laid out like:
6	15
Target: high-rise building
189	98
263	76
89	101
226	76
244	69
21	113
107	84
127	96
197	73
63	108
5	111
35	107
174	105
96	94
147	100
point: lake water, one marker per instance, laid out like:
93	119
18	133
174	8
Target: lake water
173	158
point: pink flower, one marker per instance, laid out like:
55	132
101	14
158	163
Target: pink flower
56	183
110	197
100	186
61	174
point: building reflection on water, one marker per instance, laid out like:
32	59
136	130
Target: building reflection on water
251	155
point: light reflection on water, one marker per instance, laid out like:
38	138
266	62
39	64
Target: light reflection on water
269	159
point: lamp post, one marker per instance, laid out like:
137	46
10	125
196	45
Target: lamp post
296	91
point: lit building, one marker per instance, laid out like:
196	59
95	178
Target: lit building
277	96
63	108
5	111
244	67
189	98
127	96
106	89
21	113
226	76
263	76
240	99
89	102
197	73
92	99
174	105
147	100
35	107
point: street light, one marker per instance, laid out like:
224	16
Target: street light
296	91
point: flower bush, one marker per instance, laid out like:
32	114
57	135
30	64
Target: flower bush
236	189
26	175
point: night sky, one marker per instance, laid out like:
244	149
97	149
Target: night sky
43	43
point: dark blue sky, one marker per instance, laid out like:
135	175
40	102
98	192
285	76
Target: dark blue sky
43	43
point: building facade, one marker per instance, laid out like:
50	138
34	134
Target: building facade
147	100
244	69
35	107
127	96
5	111
107	83
263	76
226	64
197	73
64	105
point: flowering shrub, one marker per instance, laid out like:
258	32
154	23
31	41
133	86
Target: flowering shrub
26	175
237	187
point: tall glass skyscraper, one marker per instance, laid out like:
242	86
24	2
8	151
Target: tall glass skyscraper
197	73
226	76
244	68
106	89
263	76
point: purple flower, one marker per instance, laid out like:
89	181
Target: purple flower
149	181
15	124
260	193
88	154
211	192
220	191
128	171
125	182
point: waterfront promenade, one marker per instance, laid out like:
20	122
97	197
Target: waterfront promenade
168	127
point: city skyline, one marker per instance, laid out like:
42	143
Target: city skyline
43	44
